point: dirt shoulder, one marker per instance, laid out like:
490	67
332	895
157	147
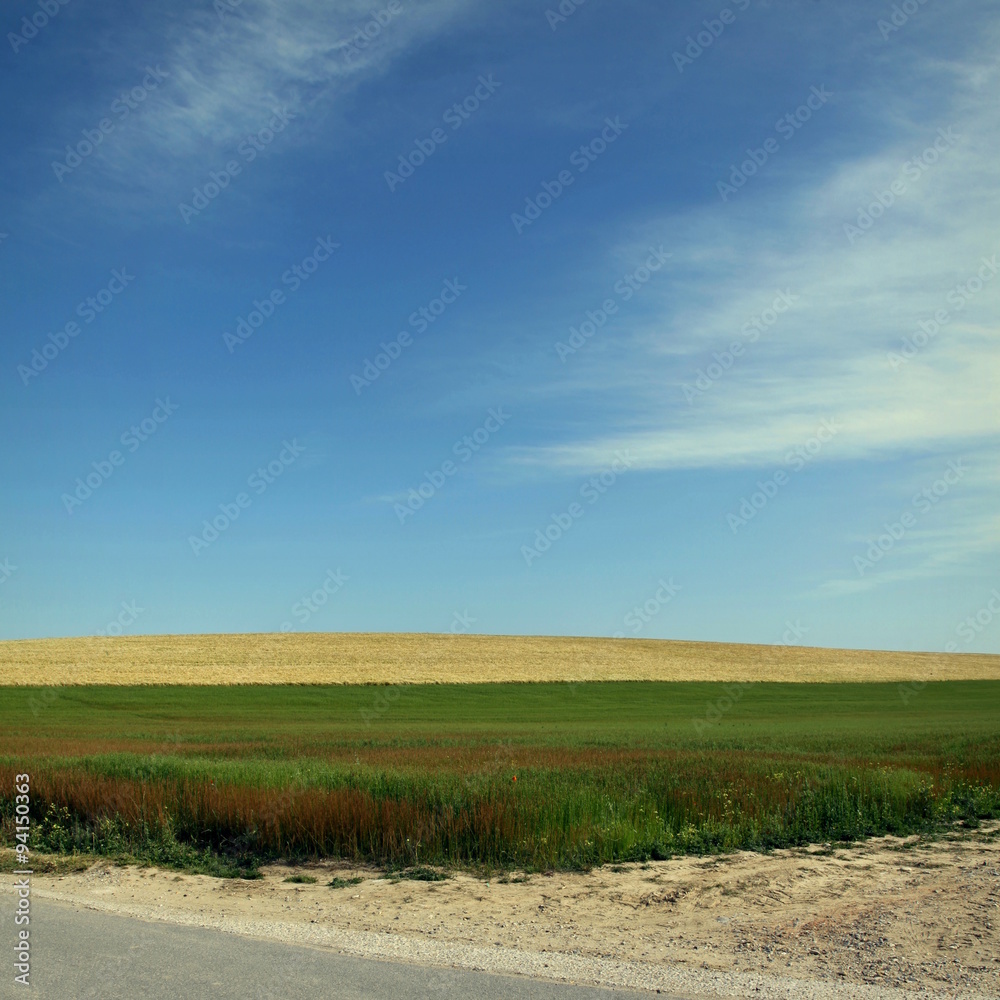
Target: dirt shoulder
886	918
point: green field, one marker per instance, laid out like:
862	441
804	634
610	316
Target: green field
224	778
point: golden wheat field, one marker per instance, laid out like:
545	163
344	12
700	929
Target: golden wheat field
380	658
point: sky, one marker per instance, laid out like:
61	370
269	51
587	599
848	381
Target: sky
635	319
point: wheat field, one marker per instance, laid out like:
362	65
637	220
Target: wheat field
389	658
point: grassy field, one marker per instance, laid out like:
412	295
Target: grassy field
363	658
497	775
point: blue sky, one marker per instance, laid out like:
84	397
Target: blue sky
651	319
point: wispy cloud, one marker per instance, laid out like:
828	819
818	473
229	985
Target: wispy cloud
857	295
231	67
936	530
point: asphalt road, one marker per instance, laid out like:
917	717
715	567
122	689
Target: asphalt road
79	953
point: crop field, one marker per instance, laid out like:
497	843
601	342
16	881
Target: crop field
535	776
392	658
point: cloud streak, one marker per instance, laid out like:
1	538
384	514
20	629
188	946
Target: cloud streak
230	69
858	296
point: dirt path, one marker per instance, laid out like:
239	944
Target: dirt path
886	918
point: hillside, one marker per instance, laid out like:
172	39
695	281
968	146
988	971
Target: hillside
389	658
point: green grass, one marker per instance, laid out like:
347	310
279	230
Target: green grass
419	873
302	879
635	714
221	779
342	883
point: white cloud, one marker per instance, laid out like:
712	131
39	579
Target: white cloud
951	526
828	356
229	74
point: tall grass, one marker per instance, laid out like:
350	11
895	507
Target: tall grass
229	817
223	778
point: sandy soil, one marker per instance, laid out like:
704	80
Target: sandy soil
899	915
385	658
